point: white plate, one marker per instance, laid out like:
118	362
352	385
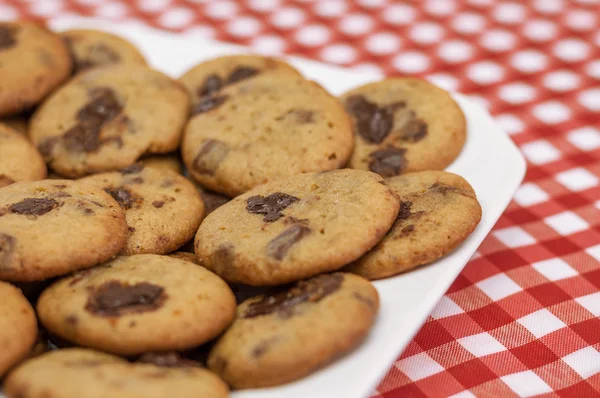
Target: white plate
489	161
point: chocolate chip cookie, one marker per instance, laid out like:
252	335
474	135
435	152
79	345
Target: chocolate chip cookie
140	303
53	227
77	373
295	228
18	327
164	162
283	337
205	80
19	159
106	118
33	62
403	125
438	211
271	126
93	48
162	208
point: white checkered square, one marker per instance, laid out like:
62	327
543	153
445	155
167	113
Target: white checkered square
419	366
577	179
566	223
541	323
481	344
585	138
594	251
498	287
514	237
554	269
540	152
590	302
530	194
552	112
445	308
586	362
526	384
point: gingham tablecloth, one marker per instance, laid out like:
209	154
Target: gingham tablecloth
523	317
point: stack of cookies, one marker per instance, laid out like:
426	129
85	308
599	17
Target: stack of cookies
186	237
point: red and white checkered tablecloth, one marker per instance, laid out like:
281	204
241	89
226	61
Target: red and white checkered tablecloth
523	317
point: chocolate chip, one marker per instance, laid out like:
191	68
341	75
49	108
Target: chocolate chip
298	116
444	189
169	359
7	249
293	220
262	347
414	129
158	204
241	73
373	123
97	55
407	230
116	298
133	169
72	320
208	103
85	135
5	180
34	206
7	37
46	147
281	244
124	197
210	156
212	84
271	206
387	162
212	200
404	212
223	257
312	290
131	229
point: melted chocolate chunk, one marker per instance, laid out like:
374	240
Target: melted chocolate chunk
212	84
169	359
407	230
124	197
270	206
46	147
414	129
312	290
85	135
281	244
158	203
444	189
7	37
7	249
34	206
387	162
208	103
212	200
241	73
133	169
211	154
116	298
373	123
98	55
404	212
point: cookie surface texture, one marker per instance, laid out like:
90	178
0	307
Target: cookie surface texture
268	127
135	304
53	227
438	211
94	48
162	208
19	159
280	338
77	373
18	327
296	228
33	62
403	125
106	118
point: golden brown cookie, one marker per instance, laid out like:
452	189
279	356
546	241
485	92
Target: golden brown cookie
106	118
438	211
403	125
79	373
162	208
18	327
94	48
136	304
295	228
19	159
33	62
53	227
283	337
272	126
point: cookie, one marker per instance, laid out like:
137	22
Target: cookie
212	200
162	208
19	159
163	162
438	211
269	127
77	373
18	327
206	79
106	118
403	125
286	336
33	62
295	228
52	227
135	304
94	48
